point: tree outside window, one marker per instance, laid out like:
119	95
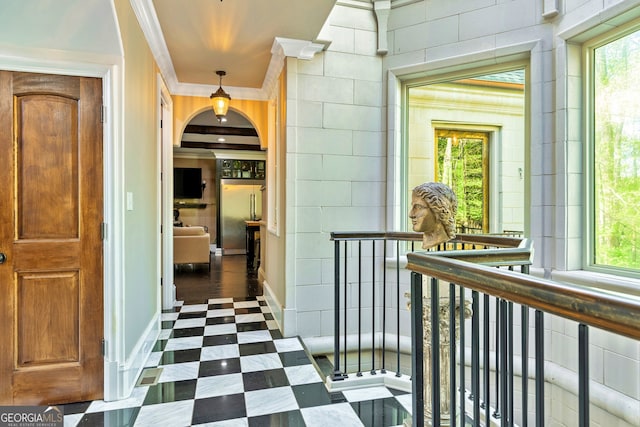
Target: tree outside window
616	160
463	164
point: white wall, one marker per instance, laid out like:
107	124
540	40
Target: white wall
335	160
340	156
437	38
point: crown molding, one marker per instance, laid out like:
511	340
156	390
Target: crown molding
150	26
301	49
282	47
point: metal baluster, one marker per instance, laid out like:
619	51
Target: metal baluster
524	332
435	353
510	362
509	408
539	332
487	366
384	306
398	309
583	375
524	315
475	356
452	352
337	375
462	359
373	308
417	355
503	362
346	285
496	413
359	374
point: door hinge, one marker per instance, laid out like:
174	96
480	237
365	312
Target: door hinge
103	347
103	230
103	113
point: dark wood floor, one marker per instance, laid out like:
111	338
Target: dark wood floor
228	278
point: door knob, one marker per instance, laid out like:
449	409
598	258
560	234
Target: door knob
3	258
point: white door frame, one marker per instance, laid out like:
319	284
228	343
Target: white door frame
113	187
165	142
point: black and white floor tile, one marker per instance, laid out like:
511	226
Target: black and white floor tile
224	363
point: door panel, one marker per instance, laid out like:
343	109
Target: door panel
54	163
48	309
51	315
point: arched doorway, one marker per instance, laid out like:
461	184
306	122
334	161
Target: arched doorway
231	168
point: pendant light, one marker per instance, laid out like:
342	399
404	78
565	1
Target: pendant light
220	99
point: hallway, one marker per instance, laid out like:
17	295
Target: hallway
228	278
223	362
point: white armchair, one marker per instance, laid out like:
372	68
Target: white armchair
191	246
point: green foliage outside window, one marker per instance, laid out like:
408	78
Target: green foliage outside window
460	166
617	153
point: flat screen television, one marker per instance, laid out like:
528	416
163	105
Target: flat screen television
187	183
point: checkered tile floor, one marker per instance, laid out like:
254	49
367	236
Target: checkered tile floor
224	363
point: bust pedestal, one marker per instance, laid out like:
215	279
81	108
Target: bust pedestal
442	352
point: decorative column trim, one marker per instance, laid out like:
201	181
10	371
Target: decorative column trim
382	10
550	9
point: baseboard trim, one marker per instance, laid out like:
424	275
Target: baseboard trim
284	317
388	379
273	303
128	372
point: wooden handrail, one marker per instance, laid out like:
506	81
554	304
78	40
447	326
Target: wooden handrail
494	240
613	313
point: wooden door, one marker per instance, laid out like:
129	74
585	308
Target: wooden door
51	282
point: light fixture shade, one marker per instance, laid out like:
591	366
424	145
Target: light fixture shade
220	99
220	103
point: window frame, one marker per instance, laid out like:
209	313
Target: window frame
589	120
491	129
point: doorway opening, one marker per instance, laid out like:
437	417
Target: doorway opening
226	203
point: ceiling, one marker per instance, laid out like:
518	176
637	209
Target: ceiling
192	39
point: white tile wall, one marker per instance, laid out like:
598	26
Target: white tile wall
357	67
319	141
308	271
367	93
337	147
356	117
342	39
368	144
324	89
309	114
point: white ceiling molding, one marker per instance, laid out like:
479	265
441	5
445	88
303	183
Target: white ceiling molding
358	4
301	49
148	20
274	70
282	47
369	4
193	89
400	3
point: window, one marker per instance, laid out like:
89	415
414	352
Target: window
469	132
463	164
615	148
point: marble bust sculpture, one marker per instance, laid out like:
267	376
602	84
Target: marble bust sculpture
433	212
